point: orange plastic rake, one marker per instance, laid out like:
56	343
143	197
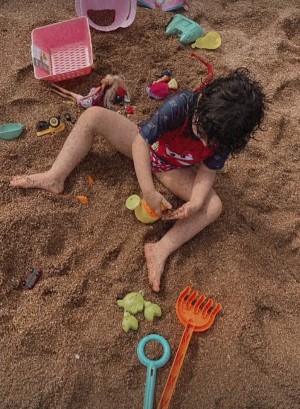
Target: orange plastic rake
194	318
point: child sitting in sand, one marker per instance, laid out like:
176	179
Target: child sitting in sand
105	95
187	130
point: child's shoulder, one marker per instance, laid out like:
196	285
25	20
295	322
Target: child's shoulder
185	100
185	94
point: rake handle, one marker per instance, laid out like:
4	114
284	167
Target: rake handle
176	367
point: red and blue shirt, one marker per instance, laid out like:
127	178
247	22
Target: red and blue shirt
173	143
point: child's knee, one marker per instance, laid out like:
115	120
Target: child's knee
94	112
92	117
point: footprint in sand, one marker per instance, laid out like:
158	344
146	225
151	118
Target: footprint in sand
132	380
55	244
252	339
291	27
5	323
24	73
111	256
287	95
290	45
280	130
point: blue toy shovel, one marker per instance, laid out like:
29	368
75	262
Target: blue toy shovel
152	365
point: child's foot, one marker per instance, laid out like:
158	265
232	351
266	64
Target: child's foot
155	264
38	181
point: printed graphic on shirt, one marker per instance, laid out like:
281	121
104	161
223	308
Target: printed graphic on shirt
184	158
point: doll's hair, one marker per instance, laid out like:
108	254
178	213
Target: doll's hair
114	82
229	110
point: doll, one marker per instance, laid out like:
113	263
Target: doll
112	89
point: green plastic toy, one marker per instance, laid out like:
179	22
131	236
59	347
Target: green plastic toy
129	322
134	303
151	311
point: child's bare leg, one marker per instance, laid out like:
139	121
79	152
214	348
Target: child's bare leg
116	129
180	182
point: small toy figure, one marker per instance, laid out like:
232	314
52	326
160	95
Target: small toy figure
112	90
161	88
54	125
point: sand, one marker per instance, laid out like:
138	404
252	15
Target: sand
62	343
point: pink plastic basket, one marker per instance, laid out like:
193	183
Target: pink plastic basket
62	50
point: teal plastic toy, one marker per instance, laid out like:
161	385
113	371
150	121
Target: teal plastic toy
187	30
134	303
11	131
152	365
164	5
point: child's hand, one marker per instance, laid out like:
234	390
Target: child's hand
157	203
182	212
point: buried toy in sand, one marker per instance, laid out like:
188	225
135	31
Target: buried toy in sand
112	90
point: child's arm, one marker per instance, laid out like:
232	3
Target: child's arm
203	184
142	165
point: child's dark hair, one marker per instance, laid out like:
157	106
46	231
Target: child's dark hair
229	110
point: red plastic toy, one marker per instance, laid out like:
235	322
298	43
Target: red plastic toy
209	69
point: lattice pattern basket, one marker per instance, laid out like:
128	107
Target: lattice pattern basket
62	50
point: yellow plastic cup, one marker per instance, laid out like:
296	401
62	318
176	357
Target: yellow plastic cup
142	211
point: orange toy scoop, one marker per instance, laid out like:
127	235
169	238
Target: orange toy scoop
195	316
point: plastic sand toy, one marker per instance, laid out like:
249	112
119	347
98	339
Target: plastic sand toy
210	41
195	317
124	12
152	365
209	69
133	303
129	322
184	28
62	50
142	211
54	125
11	131
164	5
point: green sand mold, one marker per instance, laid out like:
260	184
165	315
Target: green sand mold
134	303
